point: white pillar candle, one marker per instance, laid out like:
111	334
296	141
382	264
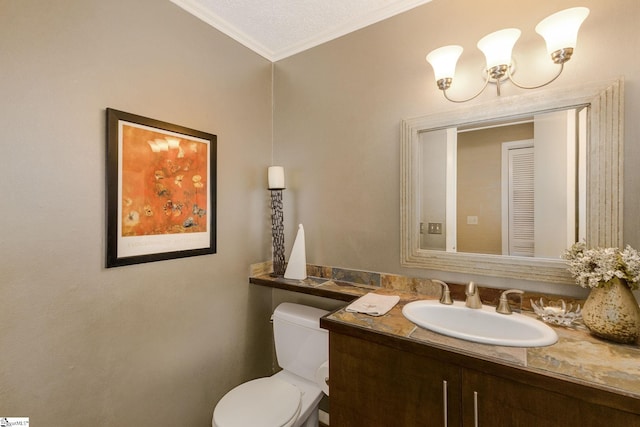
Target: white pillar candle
276	178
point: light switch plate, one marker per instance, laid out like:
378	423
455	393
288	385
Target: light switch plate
435	228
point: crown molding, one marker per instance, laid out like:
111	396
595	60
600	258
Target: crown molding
275	54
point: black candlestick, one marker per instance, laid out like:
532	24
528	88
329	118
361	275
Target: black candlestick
277	231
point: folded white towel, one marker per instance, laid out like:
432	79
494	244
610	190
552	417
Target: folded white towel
373	304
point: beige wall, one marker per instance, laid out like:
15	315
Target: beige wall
150	344
339	106
480	186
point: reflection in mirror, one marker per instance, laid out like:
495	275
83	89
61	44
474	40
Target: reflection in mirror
466	205
511	188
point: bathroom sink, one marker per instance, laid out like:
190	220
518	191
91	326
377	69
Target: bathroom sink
482	325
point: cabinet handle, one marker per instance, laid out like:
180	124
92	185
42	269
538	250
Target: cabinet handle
444	401
475	409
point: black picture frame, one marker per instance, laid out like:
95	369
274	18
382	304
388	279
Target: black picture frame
160	190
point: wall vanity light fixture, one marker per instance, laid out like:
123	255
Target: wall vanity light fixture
560	32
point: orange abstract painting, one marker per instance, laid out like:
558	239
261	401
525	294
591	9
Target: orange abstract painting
164	183
161	190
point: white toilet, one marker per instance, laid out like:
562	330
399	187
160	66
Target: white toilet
289	398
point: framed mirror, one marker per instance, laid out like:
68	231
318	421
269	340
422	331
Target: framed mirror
457	197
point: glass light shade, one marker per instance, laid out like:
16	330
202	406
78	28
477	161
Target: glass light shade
498	45
443	60
560	30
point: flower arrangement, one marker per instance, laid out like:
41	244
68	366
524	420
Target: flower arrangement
593	268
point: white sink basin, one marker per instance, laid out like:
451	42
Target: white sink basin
481	325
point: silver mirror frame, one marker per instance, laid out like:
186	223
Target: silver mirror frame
604	179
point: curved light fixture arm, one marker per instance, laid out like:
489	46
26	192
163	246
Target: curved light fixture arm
486	82
538	86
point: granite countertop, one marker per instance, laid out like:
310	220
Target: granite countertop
577	356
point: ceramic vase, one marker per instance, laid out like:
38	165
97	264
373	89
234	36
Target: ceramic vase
611	312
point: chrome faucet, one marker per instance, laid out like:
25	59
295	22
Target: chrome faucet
473	296
446	294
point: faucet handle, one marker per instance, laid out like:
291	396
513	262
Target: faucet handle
503	304
446	294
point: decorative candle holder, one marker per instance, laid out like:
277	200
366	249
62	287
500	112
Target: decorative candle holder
276	185
277	232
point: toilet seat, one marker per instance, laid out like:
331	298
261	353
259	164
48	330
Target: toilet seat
264	402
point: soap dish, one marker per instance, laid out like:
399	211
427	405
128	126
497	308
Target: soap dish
557	312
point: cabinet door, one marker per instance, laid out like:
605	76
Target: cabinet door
375	385
490	401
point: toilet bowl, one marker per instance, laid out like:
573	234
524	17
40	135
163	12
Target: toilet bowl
290	397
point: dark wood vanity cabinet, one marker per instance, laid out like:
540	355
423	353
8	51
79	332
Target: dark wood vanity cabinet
375	385
505	402
394	384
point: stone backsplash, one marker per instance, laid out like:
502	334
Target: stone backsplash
406	284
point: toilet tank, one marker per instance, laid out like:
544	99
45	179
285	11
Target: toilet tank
301	346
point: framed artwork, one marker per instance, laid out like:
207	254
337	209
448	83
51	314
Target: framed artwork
161	190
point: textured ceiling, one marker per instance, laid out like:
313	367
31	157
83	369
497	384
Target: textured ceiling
277	29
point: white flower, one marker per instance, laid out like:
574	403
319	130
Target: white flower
592	268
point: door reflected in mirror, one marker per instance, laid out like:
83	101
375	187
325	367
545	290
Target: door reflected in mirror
510	188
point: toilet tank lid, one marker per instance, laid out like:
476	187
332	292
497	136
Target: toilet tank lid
299	314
